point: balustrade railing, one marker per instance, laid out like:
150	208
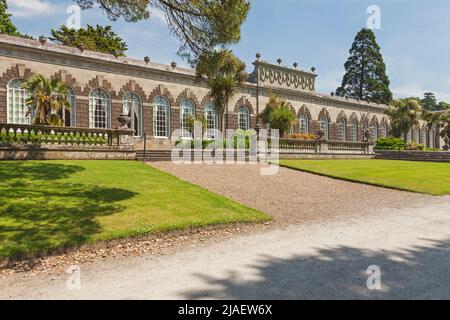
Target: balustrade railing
316	146
22	135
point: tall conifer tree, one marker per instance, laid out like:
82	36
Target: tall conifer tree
365	77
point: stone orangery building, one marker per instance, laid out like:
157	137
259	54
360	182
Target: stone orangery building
161	97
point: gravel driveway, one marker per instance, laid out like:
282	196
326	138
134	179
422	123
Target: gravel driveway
292	196
320	261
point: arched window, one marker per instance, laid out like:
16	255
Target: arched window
69	117
383	130
161	116
423	136
244	118
17	110
211	121
187	111
409	136
374	133
354	131
99	109
416	135
342	124
431	141
132	106
324	126
303	122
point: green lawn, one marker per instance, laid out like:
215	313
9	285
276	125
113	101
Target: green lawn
423	177
54	204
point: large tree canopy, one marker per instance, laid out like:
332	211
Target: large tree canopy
365	77
101	39
6	26
200	25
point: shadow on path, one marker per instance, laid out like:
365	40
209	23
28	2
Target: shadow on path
340	273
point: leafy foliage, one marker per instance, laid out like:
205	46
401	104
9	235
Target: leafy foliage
278	114
100	39
225	74
200	25
390	143
429	101
6	25
404	114
48	98
365	77
281	117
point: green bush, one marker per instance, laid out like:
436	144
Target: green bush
390	143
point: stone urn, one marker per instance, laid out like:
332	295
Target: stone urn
124	121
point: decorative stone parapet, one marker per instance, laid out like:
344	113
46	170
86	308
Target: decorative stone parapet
279	76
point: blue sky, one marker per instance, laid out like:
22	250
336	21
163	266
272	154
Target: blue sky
414	37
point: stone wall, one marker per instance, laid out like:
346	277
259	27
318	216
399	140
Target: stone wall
85	71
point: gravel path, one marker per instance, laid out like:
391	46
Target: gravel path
320	261
292	196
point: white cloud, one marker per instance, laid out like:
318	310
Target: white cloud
28	8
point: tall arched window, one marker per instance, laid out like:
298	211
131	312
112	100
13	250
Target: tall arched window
374	133
17	110
161	116
99	109
324	126
342	124
416	135
244	118
187	110
211	121
132	106
383	130
354	131
409	136
431	141
303	122
69	117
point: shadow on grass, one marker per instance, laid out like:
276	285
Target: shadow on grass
25	170
340	273
39	213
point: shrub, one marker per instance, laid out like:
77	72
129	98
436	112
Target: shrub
302	136
415	146
390	143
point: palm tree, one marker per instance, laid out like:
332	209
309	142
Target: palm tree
48	98
404	114
224	74
281	117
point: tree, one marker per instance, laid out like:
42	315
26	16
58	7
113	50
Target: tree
49	98
282	117
225	74
6	25
101	39
274	102
365	71
404	114
441	106
278	113
445	128
429	101
200	25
